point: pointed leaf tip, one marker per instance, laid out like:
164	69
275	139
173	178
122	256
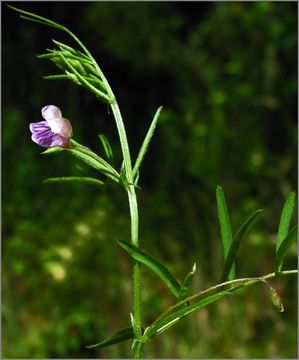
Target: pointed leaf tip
121	335
234	246
225	227
76	179
52	150
106	147
285	219
284	247
132	320
146	141
187	282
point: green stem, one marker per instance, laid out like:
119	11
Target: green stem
123	140
132	202
134	223
136	272
134	218
138	350
131	196
246	282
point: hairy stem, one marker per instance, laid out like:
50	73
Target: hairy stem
138	350
123	141
134	222
132	204
239	282
136	270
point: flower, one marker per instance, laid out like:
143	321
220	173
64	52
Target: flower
55	131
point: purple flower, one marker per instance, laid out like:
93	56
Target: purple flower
55	131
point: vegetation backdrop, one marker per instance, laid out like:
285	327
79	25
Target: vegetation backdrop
226	73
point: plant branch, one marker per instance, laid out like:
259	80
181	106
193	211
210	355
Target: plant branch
246	282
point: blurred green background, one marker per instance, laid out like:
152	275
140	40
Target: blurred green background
226	74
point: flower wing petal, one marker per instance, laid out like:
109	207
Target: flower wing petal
44	136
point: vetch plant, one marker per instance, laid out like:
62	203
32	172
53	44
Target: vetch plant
55	133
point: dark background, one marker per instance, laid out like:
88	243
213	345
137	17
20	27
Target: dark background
226	74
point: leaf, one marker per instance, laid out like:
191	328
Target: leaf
56	77
225	227
92	159
106	146
84	82
53	150
79	179
236	243
54	54
42	20
146	142
121	335
154	265
50	55
284	247
285	219
95	80
87	159
187	282
36	18
169	320
65	47
39	19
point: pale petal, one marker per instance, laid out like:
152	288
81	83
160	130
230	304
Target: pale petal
51	112
57	123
